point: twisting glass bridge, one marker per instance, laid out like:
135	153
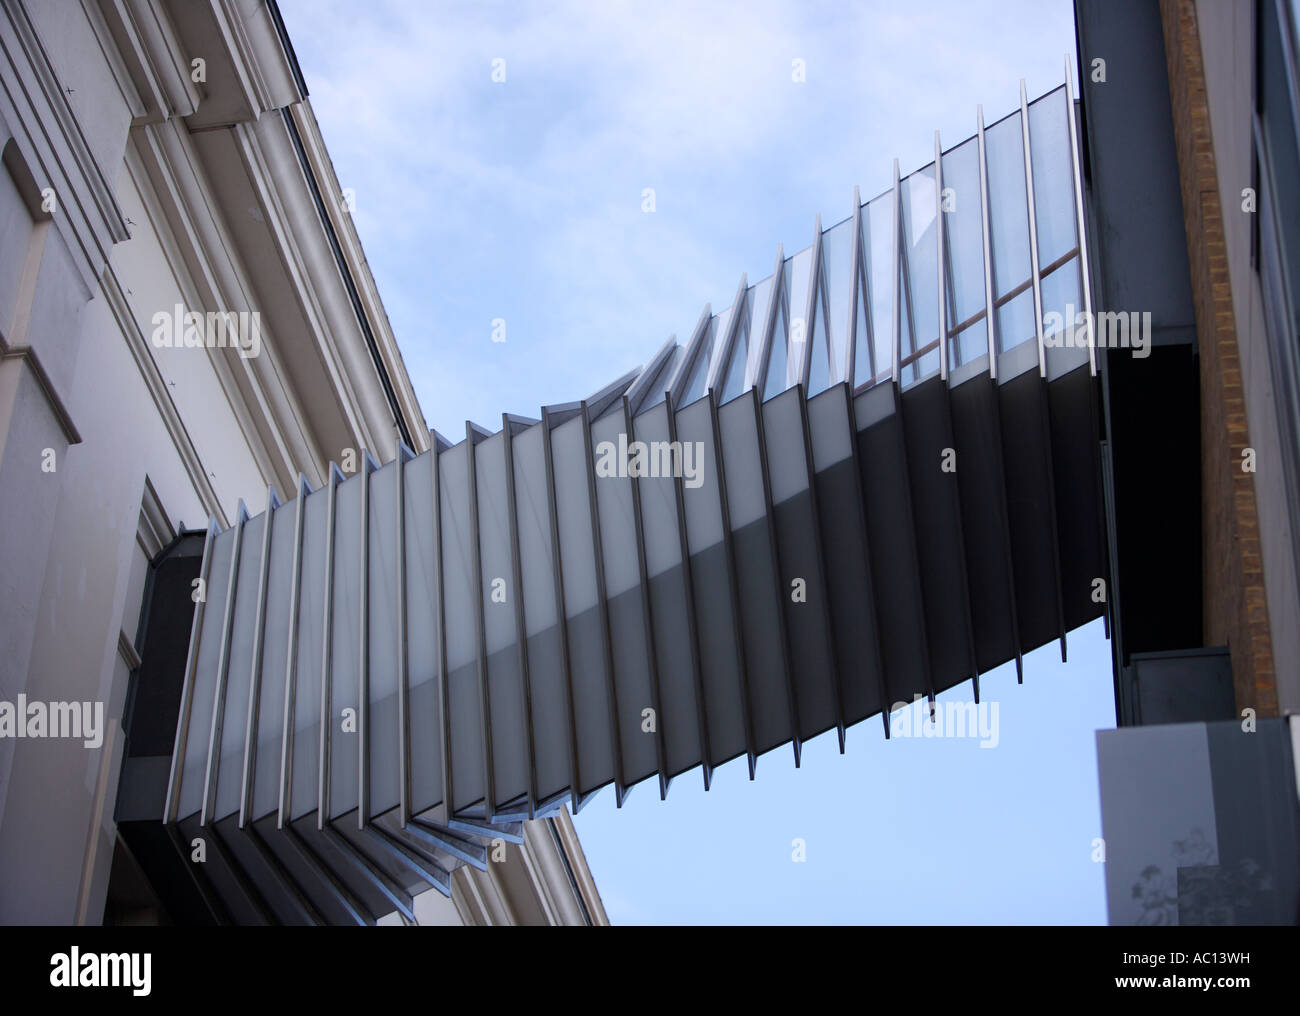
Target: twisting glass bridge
873	476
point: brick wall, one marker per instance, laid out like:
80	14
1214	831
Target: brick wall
1235	609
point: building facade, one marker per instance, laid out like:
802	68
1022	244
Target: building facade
1189	111
188	320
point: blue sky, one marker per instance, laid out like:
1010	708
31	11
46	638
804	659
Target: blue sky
522	200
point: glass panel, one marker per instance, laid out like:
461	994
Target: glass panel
819	370
877	248
1062	304
776	358
798	270
864	369
971	343
922	275
733	376
1008	215
837	267
1049	147
699	374
759	296
720	324
964	232
1016	322
655	393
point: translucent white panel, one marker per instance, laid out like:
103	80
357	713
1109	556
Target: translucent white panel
546	676
626	598
307	668
382	712
275	647
464	707
345	646
796	277
239	671
587	664
964	234
1008	204
422	630
205	675
710	575
504	673
1049	146
667	592
837	270
534	532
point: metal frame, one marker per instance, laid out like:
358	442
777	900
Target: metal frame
404	455
437	444
368	467
896	307
941	277
327	642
